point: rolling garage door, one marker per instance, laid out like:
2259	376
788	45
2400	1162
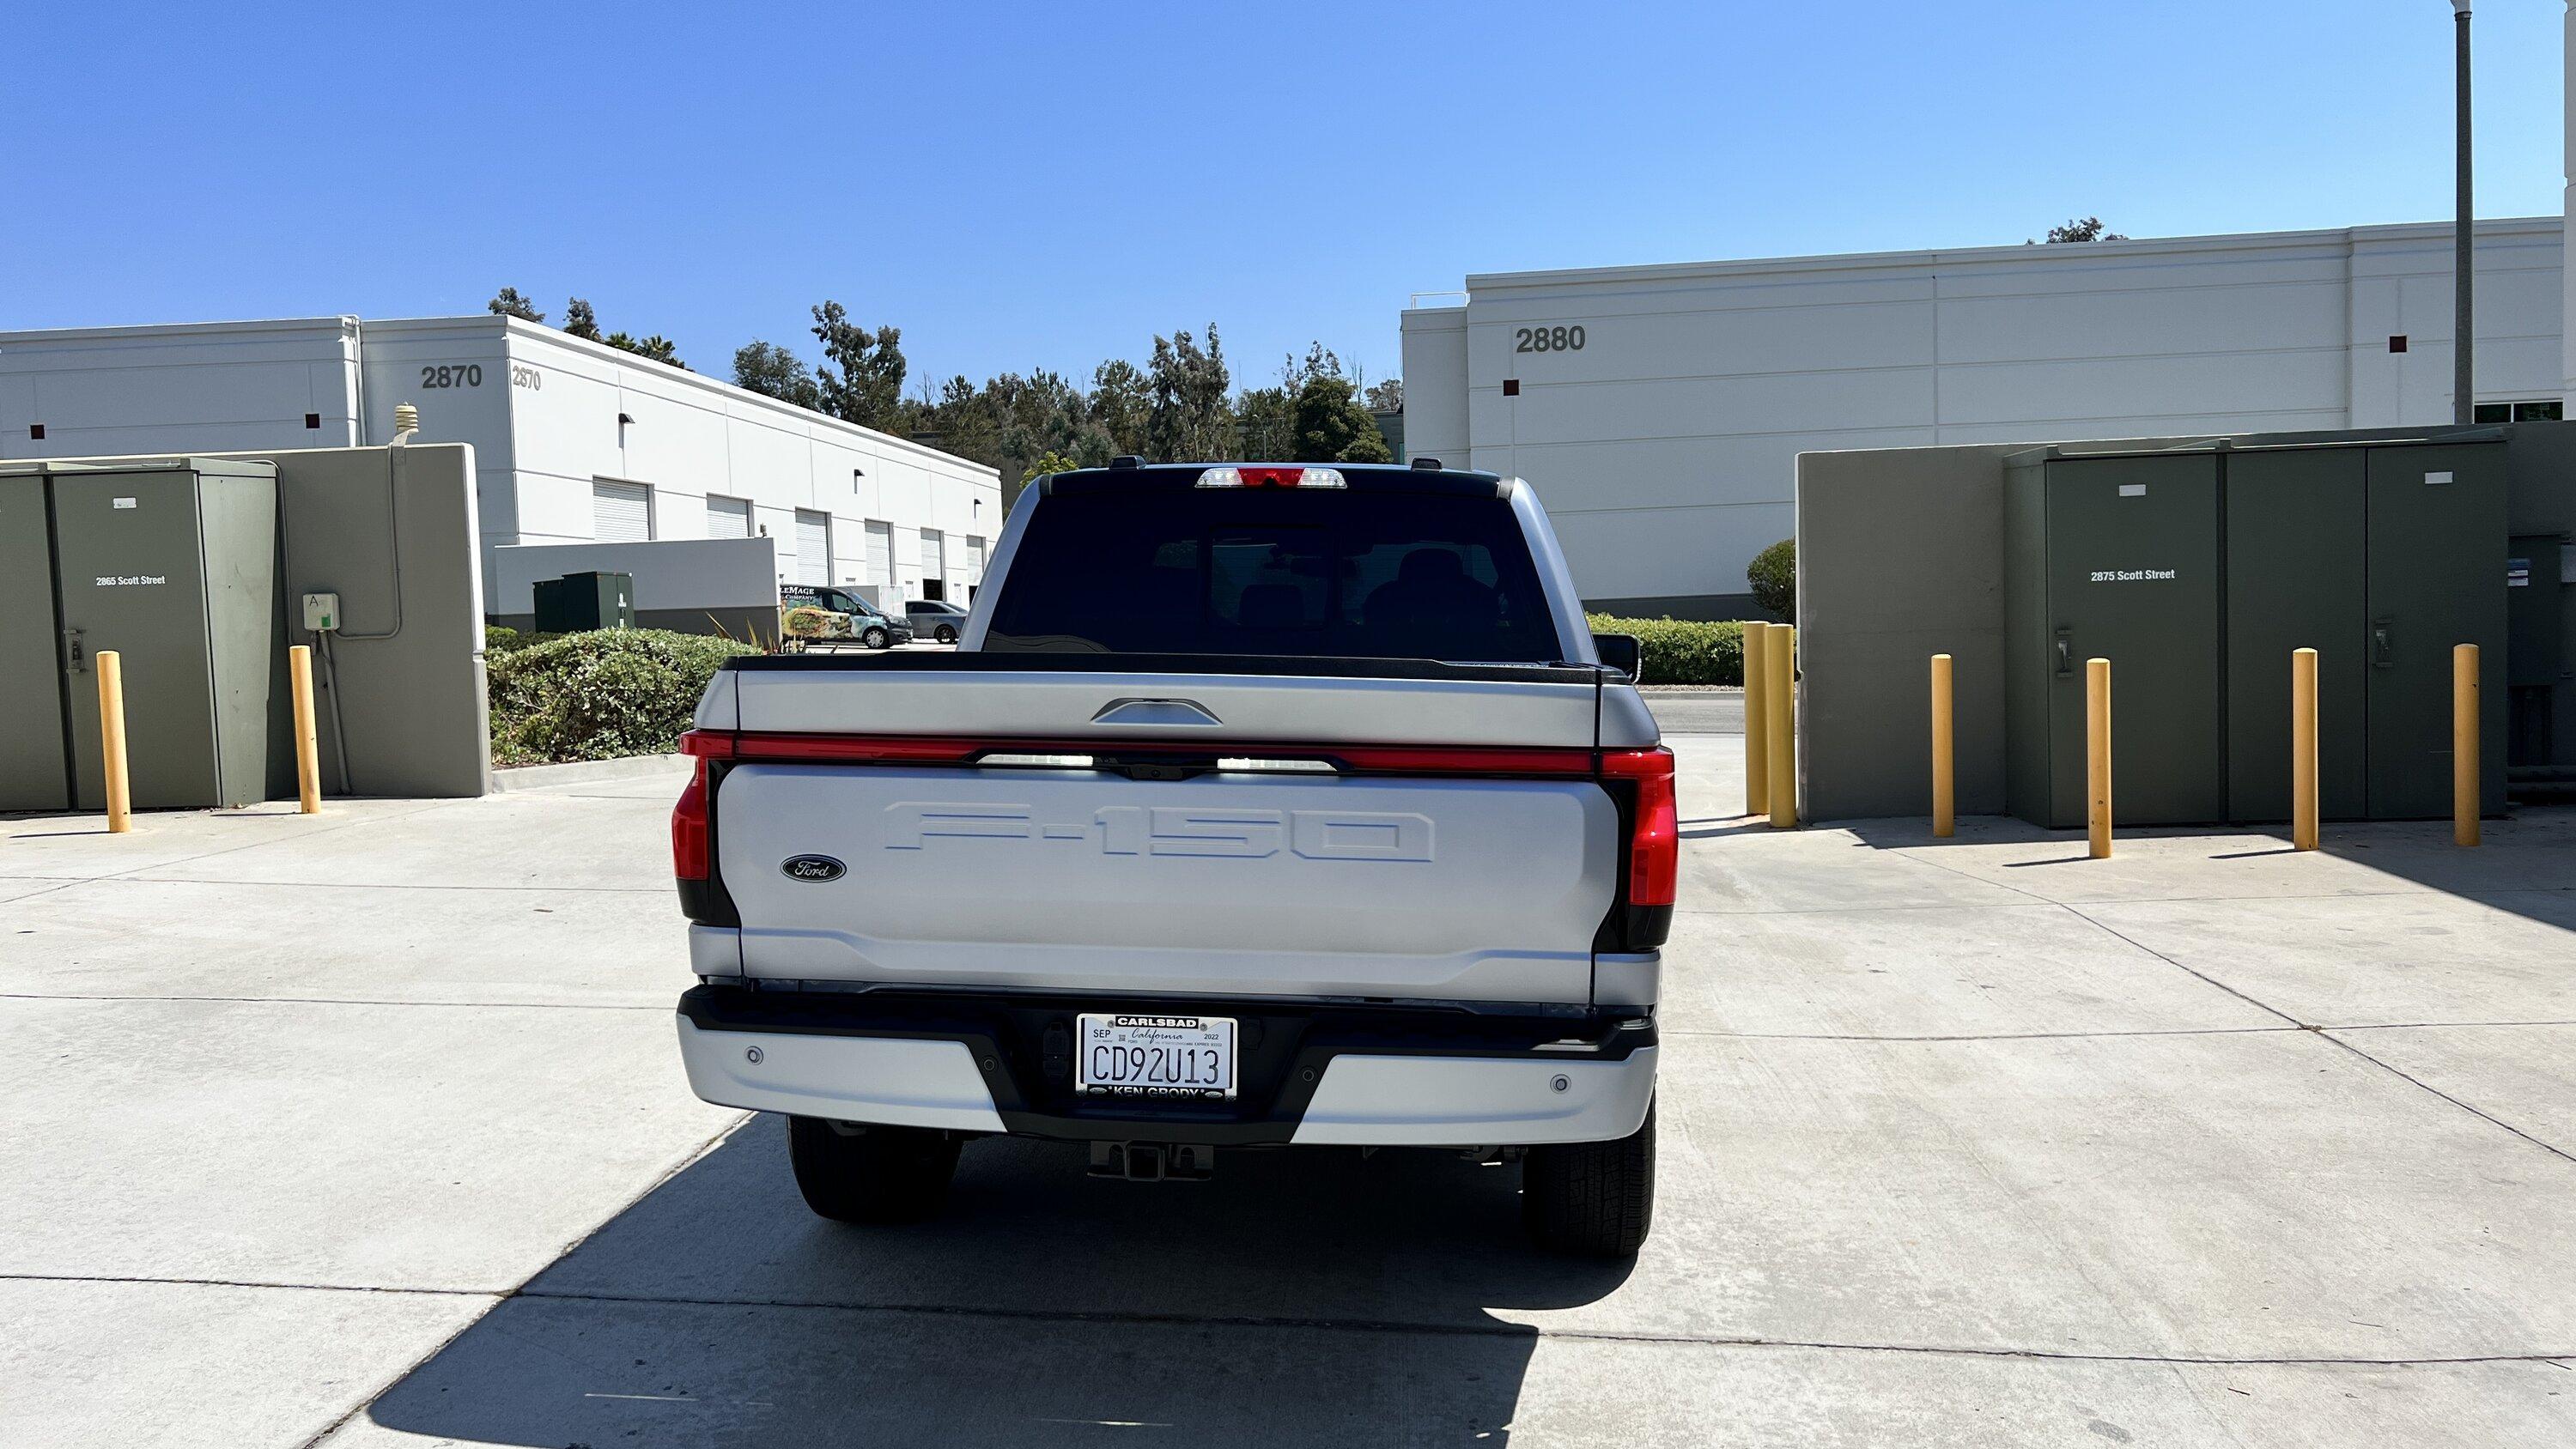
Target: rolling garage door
620	512
974	562
881	559
728	517
813	547
934	564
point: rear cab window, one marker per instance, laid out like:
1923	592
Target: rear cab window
1276	571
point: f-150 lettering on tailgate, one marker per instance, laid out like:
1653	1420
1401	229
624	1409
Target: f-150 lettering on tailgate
1174	830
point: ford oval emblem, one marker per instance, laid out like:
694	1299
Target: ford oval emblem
812	867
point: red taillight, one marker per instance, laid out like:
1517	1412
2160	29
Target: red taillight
689	828
783	748
1655	839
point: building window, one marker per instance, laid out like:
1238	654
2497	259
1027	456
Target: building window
2546	410
728	517
621	512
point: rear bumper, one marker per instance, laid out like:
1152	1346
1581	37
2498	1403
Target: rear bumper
1306	1075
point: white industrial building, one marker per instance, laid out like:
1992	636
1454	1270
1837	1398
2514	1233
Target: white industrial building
1659	410
574	442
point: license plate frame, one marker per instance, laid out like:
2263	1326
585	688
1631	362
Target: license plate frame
1156	1056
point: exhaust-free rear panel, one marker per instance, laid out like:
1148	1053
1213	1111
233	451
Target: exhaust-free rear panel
2296	579
2437	579
2132	572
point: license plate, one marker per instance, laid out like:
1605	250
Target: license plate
1138	1055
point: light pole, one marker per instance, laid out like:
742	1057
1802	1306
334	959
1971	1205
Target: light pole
2463	264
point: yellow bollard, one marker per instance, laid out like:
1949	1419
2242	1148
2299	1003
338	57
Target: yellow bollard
308	750
1944	804
2303	749
2097	756
2464	744
1780	730
1757	733
111	739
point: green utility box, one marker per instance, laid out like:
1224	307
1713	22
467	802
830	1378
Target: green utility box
173	565
35	762
2115	557
578	602
2197	571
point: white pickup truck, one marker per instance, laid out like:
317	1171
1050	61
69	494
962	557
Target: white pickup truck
1259	807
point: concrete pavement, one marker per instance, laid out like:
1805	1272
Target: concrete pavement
369	1130
1697	711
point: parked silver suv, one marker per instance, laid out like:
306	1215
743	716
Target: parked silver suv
935	619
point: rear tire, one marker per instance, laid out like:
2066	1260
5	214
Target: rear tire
877	639
1595	1199
945	635
882	1175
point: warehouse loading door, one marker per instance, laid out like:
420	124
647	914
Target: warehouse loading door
34	770
620	512
2132	571
813	547
2437	579
934	564
881	561
2296	580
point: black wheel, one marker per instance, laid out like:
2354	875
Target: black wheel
876	639
881	1175
945	635
1592	1198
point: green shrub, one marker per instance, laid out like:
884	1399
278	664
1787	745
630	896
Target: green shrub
1774	577
1681	651
501	639
599	695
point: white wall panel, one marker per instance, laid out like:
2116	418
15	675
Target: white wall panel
1661	441
1706	341
1435	384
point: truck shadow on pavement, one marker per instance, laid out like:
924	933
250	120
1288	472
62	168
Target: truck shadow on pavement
1302	1297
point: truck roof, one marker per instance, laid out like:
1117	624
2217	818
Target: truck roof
1130	476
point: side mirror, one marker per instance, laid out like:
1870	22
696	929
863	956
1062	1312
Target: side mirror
1618	651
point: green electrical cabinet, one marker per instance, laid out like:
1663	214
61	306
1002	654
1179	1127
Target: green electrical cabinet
2298	577
2199	571
2115	558
2437	579
579	602
172	565
35	769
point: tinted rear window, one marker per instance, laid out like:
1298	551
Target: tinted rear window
1362	575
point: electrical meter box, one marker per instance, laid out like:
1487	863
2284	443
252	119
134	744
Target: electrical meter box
172	564
578	602
2198	571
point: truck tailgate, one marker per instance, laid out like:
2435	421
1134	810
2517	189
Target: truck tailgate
910	823
1238	883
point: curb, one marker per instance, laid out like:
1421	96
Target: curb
633	767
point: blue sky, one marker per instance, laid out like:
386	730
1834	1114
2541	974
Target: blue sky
1048	185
